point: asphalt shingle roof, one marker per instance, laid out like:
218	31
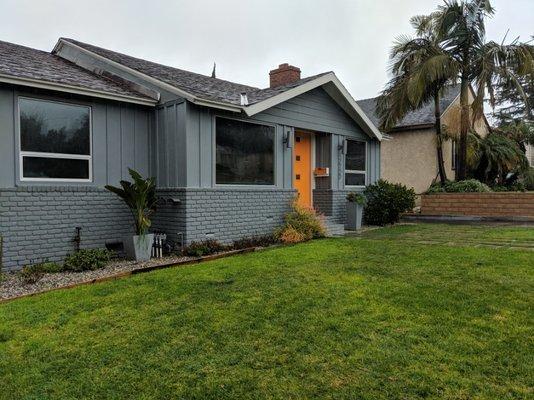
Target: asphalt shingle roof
423	116
201	86
24	62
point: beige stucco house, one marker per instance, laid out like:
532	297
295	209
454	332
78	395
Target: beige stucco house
408	156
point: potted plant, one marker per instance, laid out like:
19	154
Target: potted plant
140	197
355	203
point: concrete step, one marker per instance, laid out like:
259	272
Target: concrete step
333	227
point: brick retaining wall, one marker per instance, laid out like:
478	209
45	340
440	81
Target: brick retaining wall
505	204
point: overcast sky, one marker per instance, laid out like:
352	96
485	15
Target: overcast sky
246	38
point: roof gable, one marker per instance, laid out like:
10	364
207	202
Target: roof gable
313	110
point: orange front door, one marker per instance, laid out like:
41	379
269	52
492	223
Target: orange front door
302	168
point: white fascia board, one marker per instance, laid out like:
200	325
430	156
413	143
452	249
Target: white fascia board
354	110
215	104
148	78
74	89
287	95
154	81
351	107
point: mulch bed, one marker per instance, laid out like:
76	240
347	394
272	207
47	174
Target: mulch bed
12	286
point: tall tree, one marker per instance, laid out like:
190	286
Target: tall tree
511	107
421	70
460	29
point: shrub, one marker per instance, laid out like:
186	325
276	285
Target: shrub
33	273
300	224
517	186
528	179
290	235
204	248
254	241
87	260
51	267
386	201
467	186
436	187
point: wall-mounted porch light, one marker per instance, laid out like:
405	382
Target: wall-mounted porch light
343	147
288	139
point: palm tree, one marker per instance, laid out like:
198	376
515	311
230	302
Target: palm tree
493	157
421	69
460	29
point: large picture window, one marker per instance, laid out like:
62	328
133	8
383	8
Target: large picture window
355	161
55	141
244	153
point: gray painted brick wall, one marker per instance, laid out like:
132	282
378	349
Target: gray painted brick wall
221	214
170	215
39	223
230	214
331	203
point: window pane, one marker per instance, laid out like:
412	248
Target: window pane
41	167
53	127
245	153
352	179
355	158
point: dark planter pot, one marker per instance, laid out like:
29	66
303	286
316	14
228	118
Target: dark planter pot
354	216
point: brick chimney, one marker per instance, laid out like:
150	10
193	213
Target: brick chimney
283	75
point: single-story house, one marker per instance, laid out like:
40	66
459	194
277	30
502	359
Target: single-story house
408	154
228	158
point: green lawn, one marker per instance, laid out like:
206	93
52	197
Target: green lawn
378	317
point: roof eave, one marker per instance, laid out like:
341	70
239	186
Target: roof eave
41	84
412	127
156	82
215	104
336	90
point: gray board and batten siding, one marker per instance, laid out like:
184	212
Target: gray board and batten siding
38	219
120	136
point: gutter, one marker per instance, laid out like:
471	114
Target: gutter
74	89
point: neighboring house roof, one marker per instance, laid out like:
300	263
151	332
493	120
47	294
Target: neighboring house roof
36	68
219	93
419	118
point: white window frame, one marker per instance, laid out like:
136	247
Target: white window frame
61	156
354	171
214	153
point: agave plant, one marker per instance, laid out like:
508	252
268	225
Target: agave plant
140	197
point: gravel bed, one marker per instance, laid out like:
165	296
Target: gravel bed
11	285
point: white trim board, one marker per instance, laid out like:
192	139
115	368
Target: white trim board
73	89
